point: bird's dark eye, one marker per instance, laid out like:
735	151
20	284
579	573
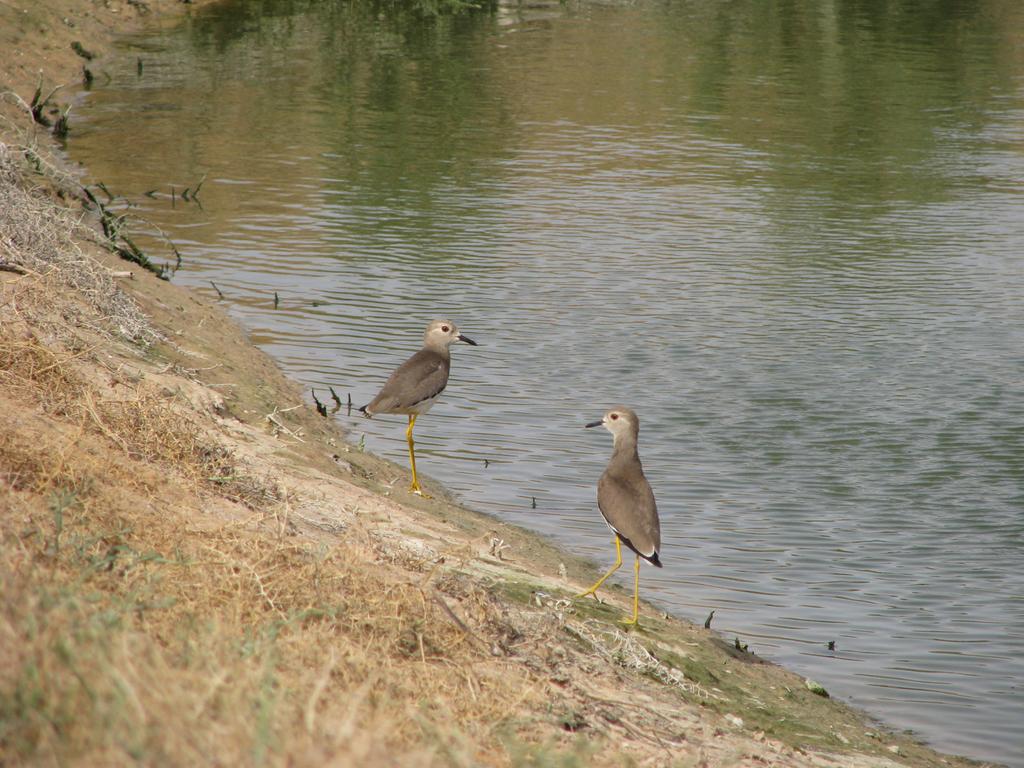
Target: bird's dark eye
615	416
445	328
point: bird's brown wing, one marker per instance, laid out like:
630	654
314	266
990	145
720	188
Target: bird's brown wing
421	377
629	507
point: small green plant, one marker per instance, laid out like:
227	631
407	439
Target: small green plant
78	48
39	103
61	127
117	240
60	500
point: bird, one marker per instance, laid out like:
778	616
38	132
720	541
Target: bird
415	385
626	500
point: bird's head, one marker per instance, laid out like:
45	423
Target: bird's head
441	334
620	421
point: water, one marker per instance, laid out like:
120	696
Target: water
791	235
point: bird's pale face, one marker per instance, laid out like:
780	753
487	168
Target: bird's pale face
618	421
443	333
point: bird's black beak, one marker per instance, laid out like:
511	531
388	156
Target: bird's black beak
597	423
465	339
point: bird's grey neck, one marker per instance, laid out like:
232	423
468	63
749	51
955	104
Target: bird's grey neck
439	349
624	444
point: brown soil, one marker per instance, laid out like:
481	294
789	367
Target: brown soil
196	568
36	36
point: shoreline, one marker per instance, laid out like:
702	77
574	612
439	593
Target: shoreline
165	473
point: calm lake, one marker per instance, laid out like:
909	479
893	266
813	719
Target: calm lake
789	234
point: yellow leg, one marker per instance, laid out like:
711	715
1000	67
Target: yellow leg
415	488
614	568
636	594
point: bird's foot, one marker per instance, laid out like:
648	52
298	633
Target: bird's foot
415	488
634	622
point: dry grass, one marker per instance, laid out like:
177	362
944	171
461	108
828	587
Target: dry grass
43	239
141	421
129	633
624	650
35	370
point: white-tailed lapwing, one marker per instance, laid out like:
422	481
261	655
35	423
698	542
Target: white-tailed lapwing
626	500
418	382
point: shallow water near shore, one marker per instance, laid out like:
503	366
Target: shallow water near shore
791	237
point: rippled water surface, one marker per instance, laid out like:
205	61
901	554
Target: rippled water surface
791	235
